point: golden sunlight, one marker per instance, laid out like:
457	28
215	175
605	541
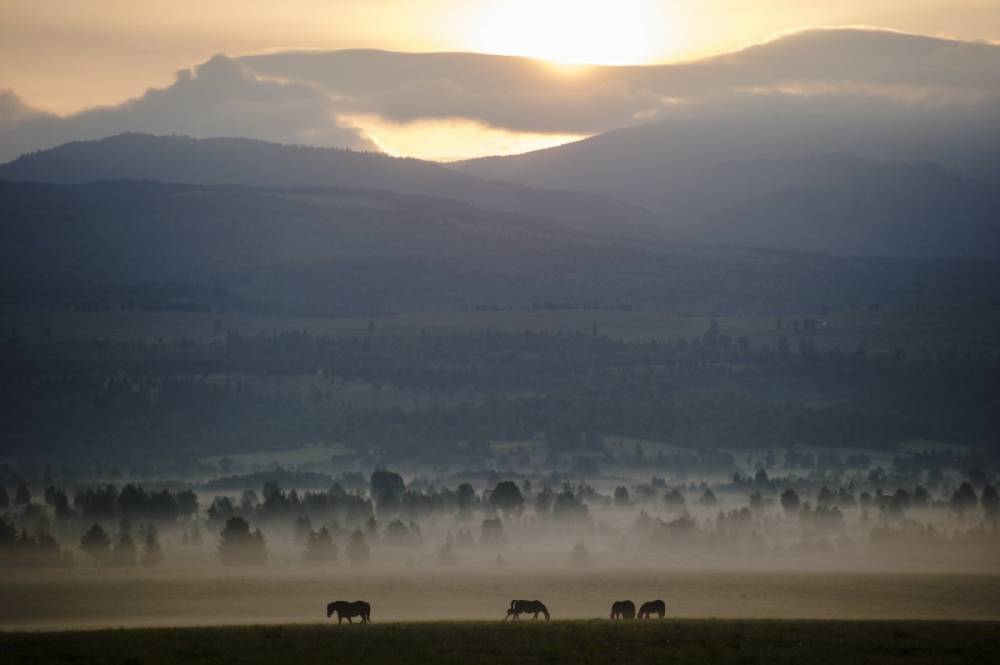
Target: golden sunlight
451	139
617	32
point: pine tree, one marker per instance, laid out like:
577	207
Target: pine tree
990	501
446	555
96	543
195	534
8	534
22	497
239	547
580	556
303	529
47	550
357	550
152	553
124	553
320	547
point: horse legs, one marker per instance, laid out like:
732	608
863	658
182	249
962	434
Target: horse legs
340	619
349	620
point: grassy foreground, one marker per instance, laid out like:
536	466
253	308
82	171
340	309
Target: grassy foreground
579	642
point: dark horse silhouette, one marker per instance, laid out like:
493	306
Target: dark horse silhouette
623	609
519	607
346	610
652	607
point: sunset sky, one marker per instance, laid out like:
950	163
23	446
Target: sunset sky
65	56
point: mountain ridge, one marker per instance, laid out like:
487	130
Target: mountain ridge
212	161
693	171
314	251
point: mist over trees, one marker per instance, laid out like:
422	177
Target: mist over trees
238	546
96	543
770	506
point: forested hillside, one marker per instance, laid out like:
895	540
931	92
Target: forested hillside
427	400
322	251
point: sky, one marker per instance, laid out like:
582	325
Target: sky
67	56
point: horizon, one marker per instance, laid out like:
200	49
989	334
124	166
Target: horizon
667	32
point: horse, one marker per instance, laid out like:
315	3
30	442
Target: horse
652	607
519	607
346	610
623	609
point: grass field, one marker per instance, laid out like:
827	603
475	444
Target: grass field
578	642
209	594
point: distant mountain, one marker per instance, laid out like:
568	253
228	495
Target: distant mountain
846	206
753	179
259	163
341	250
732	148
293	245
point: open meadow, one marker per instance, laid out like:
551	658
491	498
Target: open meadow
668	641
209	595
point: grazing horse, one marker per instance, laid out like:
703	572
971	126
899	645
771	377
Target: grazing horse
519	607
346	610
652	607
623	609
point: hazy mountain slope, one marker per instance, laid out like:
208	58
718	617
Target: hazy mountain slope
636	162
331	250
126	233
258	163
848	206
693	168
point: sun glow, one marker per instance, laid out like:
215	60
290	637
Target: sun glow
611	32
451	139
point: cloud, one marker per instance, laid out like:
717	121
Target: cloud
523	95
300	96
23	128
219	97
606	105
